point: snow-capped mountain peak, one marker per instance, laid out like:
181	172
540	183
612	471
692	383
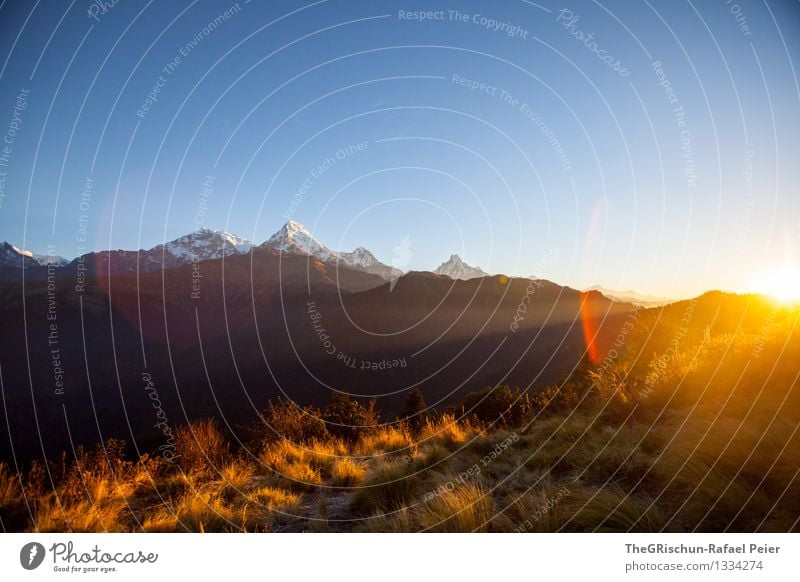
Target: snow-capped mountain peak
207	244
364	260
295	238
201	245
360	257
455	268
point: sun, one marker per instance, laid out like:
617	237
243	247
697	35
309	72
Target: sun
781	284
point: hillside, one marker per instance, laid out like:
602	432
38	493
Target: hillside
692	427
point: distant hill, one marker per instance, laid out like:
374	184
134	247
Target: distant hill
633	297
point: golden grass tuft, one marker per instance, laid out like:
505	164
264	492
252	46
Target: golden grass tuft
78	516
388	485
467	507
299	475
234	478
347	472
446	430
538	510
386	440
275	498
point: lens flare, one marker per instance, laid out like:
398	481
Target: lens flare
589	324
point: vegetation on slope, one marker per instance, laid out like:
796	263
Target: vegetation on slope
698	434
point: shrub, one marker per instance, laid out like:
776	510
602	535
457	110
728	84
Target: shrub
284	419
555	400
415	408
348	419
496	405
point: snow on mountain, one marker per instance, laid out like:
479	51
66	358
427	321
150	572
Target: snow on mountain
364	260
360	257
455	268
45	260
11	256
200	245
206	244
294	238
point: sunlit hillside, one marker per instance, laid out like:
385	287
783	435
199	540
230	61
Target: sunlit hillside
689	423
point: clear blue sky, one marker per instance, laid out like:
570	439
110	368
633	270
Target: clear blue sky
557	150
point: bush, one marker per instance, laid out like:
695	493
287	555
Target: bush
414	409
498	405
555	400
349	419
286	420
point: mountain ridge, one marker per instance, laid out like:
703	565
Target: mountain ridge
205	244
293	238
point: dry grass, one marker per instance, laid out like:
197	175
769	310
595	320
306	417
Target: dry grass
388	485
609	510
200	446
347	472
50	515
467	507
274	498
235	478
385	441
398	521
446	431
10	490
538	510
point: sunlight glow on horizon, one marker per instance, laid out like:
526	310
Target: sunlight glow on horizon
781	284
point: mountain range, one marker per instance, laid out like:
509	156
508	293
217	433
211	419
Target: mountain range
212	339
205	244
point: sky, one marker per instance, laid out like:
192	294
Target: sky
649	146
